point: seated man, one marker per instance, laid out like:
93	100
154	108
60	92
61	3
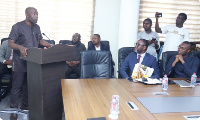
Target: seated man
97	45
184	64
140	56
5	59
75	66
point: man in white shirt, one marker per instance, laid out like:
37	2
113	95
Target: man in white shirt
150	36
175	34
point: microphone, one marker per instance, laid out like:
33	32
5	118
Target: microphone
48	38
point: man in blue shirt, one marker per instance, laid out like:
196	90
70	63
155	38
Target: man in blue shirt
184	64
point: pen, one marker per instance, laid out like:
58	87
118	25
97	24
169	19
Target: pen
130	105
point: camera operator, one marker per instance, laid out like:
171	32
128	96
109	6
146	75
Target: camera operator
150	36
175	34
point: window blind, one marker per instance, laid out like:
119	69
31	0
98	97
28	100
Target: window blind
58	19
170	10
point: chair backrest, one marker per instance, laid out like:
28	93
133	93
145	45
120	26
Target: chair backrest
122	54
165	59
102	42
64	41
4	39
197	53
49	41
96	64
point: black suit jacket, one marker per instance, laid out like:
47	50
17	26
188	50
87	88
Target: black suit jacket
103	47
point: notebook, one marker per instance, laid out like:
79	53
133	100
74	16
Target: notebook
182	83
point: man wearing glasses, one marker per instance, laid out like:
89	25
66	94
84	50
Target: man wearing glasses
75	66
139	56
184	64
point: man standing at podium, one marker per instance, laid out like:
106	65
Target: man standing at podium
23	35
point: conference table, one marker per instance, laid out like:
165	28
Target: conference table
90	98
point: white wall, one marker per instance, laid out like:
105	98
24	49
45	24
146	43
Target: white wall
117	22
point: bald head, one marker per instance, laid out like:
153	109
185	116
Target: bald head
28	10
31	15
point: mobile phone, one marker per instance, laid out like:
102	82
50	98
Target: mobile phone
159	14
153	39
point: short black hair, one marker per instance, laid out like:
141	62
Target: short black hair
189	44
183	15
78	35
98	35
148	19
146	43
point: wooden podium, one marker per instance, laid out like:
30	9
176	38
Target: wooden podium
45	69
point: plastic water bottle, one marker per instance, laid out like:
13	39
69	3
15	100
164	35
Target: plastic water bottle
114	107
193	80
165	83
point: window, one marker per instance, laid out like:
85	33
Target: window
58	19
170	10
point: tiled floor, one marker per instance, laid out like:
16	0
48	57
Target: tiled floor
6	113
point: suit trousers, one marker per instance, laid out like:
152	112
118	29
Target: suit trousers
3	70
19	82
69	70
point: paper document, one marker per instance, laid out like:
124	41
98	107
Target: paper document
192	117
148	80
140	71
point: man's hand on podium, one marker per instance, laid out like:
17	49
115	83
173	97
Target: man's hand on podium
23	51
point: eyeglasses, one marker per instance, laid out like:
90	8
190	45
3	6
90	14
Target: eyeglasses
138	44
76	37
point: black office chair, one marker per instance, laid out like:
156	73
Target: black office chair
122	54
197	53
64	41
6	80
96	64
49	41
165	59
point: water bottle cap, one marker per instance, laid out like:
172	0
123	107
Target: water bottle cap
165	75
194	73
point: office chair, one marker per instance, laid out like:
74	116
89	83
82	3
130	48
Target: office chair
64	41
96	64
49	41
122	54
6	80
197	53
165	59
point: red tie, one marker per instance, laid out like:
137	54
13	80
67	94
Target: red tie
138	60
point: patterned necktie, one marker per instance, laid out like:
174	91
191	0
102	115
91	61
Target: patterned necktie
138	60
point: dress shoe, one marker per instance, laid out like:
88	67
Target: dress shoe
24	107
13	116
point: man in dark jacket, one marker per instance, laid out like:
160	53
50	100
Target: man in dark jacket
97	45
74	66
184	64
